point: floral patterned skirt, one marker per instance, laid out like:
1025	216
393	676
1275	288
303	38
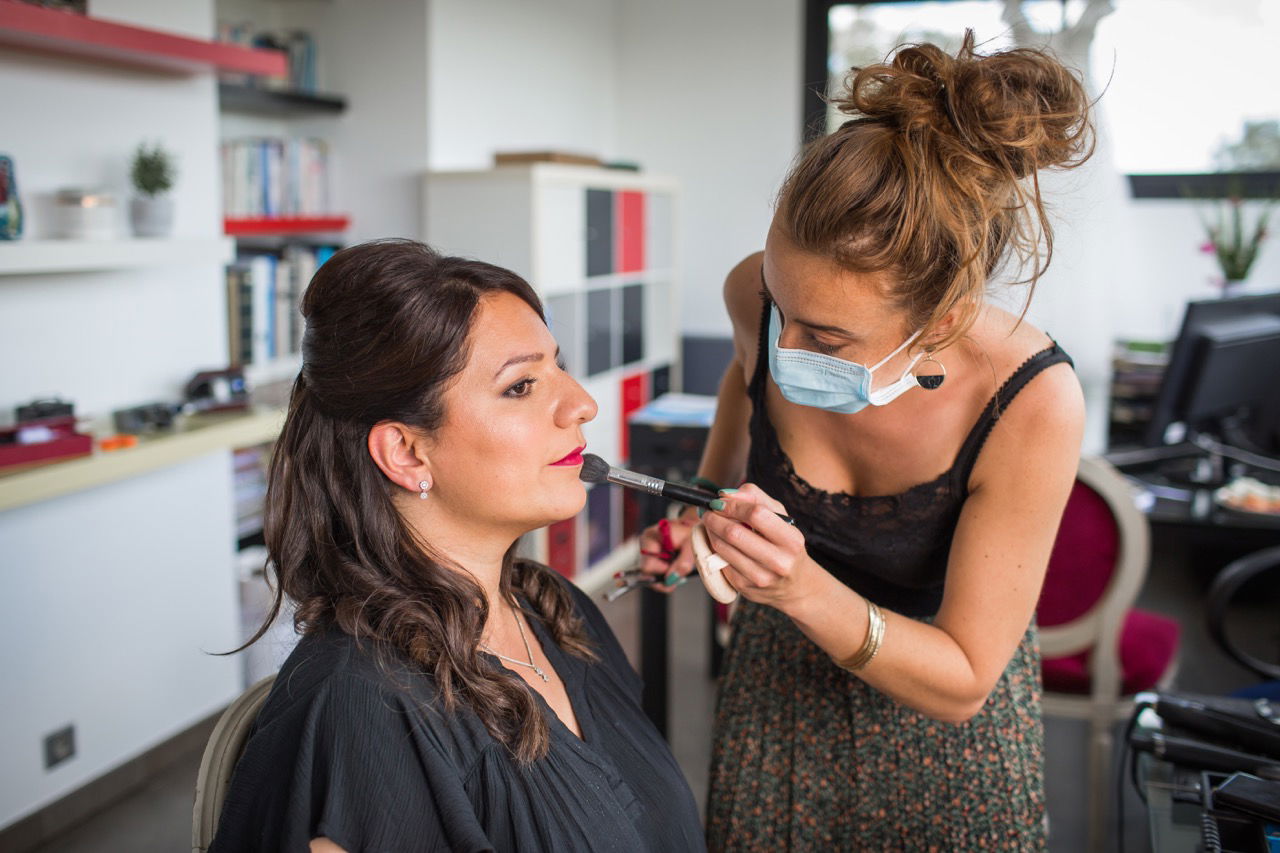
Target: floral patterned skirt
808	757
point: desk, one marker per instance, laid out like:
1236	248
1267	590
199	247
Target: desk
1175	506
667	437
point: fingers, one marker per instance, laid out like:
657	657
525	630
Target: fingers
741	568
684	561
754	528
665	552
751	490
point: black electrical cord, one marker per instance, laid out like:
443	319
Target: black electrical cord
1209	838
1129	757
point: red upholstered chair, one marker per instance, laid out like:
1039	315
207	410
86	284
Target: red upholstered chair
1097	649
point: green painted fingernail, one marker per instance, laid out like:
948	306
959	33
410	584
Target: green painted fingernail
701	511
716	504
728	491
671	579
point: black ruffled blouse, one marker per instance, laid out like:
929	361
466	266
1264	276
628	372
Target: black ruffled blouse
363	755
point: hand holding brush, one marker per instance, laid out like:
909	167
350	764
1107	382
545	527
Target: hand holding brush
710	564
596	470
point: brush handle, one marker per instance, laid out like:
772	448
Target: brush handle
701	497
673	491
688	494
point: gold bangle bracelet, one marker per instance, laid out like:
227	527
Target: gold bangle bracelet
871	645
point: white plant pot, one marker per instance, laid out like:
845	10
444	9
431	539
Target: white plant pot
151	216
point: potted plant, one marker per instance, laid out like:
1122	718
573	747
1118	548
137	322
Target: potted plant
151	211
1231	239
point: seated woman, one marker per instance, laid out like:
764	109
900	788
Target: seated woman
445	695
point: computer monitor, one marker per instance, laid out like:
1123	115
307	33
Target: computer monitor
1223	374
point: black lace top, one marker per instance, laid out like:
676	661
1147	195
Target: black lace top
891	548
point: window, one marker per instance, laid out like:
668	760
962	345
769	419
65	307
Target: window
1188	86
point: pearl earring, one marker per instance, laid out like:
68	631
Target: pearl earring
426	487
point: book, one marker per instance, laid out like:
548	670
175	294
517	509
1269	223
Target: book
276	176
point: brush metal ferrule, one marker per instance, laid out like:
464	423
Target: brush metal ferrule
643	482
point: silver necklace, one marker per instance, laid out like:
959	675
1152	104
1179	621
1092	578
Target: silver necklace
527	650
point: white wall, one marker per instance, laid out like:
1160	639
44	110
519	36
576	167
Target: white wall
513	75
705	92
375	53
113	600
709	93
110	595
1169	269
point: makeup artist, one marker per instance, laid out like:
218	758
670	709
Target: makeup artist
445	695
882	690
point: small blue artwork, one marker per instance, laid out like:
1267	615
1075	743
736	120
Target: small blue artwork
10	207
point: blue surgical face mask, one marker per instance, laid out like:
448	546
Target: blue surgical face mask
826	382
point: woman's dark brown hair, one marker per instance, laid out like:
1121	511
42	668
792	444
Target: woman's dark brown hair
387	324
935	179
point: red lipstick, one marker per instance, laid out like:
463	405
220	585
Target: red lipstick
574	458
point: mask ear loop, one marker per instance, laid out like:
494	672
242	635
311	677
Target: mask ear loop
932	382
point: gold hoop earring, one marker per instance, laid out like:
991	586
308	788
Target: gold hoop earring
933	381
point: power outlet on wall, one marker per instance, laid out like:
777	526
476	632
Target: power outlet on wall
59	746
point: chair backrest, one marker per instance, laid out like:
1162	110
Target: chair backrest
1097	568
221	753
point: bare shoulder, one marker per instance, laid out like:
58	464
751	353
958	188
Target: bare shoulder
1043	425
742	300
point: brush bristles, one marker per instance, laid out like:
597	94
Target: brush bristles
594	469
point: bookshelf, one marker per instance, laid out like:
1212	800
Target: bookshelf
599	245
30	27
1137	370
31	257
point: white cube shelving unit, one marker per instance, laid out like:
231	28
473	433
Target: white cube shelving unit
599	246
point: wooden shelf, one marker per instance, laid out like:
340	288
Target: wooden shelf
278	226
200	434
255	100
26	257
70	34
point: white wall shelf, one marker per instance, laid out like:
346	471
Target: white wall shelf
200	434
28	257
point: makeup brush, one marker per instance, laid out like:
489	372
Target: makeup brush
596	470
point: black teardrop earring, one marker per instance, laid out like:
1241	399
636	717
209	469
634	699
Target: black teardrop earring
932	381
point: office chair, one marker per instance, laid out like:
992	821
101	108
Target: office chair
221	753
1097	650
1222	592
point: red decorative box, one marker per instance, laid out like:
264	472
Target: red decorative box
63	441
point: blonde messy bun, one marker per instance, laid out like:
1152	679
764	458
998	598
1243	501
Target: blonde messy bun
1018	110
935	178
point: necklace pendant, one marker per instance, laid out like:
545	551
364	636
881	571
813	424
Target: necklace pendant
545	677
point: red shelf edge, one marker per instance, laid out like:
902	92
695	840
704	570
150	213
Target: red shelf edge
272	225
61	31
